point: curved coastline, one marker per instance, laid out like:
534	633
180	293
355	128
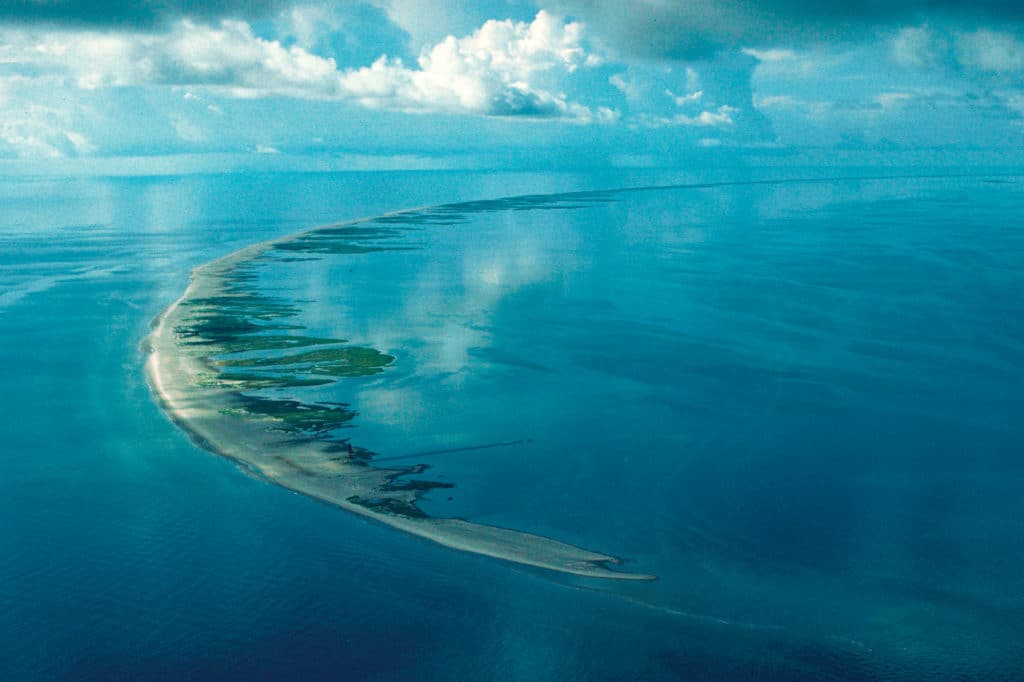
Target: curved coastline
192	387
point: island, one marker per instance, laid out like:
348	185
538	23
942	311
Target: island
213	353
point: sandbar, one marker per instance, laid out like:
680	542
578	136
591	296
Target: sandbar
286	442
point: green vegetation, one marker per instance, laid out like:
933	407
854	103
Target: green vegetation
353	452
390	506
252	344
355	232
266	342
222	320
221	329
239	320
417	484
252	382
345	361
296	417
346	239
249	304
326	245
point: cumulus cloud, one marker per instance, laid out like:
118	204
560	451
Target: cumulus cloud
229	58
38	131
353	33
783	102
722	117
992	51
493	71
504	68
917	46
773	55
626	85
893	100
670	95
933	83
916	93
688	98
1013	101
187	130
452	17
863	65
984	52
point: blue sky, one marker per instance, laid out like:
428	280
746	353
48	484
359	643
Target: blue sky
509	83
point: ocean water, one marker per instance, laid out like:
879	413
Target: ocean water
797	403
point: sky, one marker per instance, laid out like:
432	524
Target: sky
508	83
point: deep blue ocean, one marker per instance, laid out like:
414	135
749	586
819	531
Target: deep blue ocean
798	403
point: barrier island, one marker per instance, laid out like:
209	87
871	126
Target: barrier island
216	353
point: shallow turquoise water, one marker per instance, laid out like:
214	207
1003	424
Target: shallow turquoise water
795	403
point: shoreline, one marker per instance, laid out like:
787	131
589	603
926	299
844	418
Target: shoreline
175	374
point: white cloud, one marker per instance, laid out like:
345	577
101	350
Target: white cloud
776	102
80	142
992	51
692	79
718	118
891	100
683	100
308	24
33	130
187	130
232	58
917	46
606	115
427	25
982	51
1013	101
228	58
267	149
774	55
26	138
644	87
663	96
502	69
627	86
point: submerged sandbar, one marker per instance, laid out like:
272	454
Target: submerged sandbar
213	351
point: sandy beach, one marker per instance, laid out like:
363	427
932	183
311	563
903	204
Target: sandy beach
184	379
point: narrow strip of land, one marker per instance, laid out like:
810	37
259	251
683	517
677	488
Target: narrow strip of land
221	314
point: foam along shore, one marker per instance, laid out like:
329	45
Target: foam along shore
216	347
